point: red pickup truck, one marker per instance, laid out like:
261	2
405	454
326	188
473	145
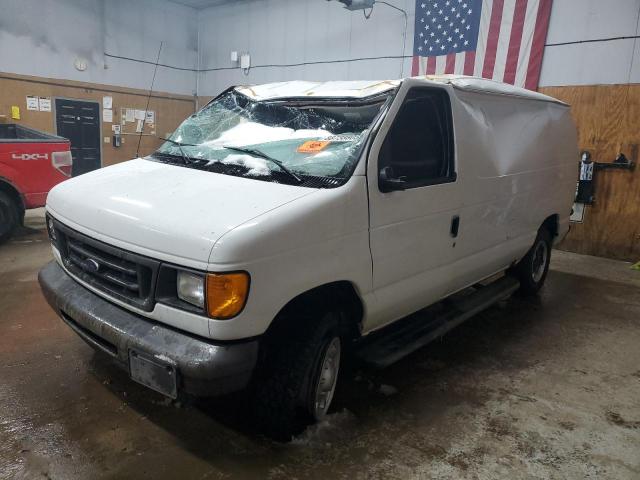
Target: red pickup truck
31	163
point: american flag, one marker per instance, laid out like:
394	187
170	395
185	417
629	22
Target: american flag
498	39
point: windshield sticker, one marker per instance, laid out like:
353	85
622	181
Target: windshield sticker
312	146
342	138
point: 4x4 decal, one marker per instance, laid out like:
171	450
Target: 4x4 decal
30	156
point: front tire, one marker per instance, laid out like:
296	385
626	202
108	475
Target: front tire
297	383
9	216
532	270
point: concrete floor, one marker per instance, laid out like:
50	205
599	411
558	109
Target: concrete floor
544	388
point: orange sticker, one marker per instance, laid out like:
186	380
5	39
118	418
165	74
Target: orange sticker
312	146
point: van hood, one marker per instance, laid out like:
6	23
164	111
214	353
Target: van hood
165	211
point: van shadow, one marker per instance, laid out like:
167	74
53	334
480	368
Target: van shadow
219	430
24	231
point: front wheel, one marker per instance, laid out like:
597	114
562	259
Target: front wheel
533	268
296	385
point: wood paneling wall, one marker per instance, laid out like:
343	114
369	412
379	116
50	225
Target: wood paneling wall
170	109
608	121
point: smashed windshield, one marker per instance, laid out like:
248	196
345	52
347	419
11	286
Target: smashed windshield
308	142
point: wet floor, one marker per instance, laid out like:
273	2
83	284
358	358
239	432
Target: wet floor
545	388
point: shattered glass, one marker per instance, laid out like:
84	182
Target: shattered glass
316	138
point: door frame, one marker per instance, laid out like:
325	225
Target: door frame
383	311
100	136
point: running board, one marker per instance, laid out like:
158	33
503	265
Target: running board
395	342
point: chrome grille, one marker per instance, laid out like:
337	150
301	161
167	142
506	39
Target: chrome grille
124	275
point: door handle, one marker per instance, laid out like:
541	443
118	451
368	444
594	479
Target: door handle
455	226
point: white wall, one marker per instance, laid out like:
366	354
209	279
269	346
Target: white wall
297	31
610	62
285	32
43	37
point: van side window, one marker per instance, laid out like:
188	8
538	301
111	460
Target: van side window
419	145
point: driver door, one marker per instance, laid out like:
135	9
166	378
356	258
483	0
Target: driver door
414	205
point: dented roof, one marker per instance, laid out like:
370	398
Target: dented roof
299	88
366	88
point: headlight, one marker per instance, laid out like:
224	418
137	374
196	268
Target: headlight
191	288
226	294
219	295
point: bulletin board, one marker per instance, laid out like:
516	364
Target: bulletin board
135	121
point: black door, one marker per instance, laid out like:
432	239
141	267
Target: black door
79	121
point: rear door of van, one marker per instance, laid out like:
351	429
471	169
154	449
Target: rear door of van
413	228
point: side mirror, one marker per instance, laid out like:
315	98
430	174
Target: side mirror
388	182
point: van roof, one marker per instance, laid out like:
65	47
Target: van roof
366	88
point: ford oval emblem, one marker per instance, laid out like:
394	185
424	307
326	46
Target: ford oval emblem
91	265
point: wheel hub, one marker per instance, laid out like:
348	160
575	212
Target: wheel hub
539	261
327	378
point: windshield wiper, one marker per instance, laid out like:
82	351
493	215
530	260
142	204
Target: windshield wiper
257	153
185	158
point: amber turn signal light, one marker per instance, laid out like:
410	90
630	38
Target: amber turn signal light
226	294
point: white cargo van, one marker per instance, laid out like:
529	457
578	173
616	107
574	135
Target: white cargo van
284	224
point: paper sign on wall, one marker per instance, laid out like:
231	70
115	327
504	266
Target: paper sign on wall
44	104
107	102
32	102
107	115
151	117
139	126
139	114
15	112
129	115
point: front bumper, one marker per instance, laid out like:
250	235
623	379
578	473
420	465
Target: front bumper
204	367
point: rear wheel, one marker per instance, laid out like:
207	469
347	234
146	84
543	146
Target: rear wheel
533	268
296	385
9	216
